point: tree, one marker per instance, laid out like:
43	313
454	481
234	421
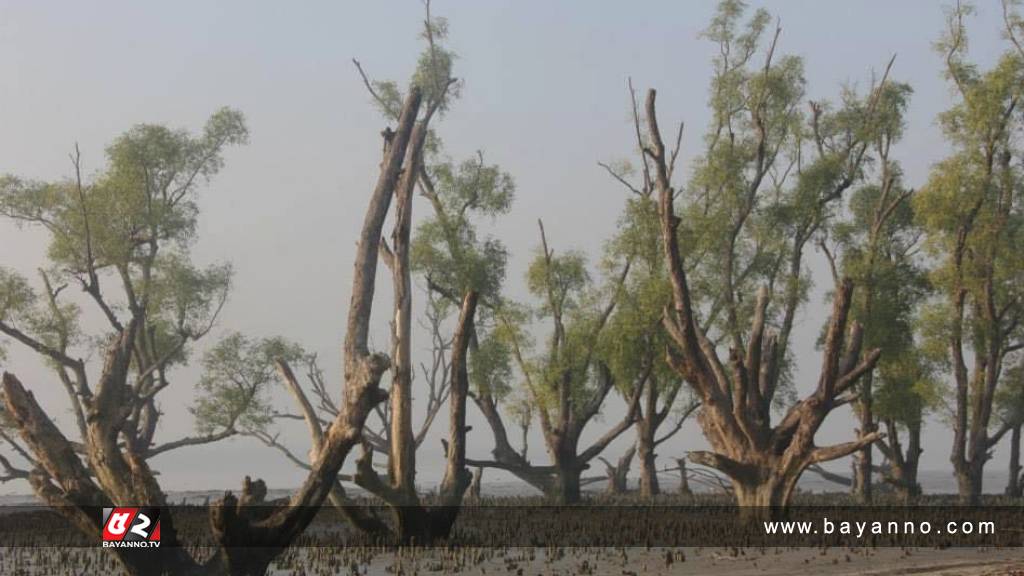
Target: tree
455	260
131	228
567	384
907	392
738	218
971	212
632	346
634	342
460	270
123	239
769	182
463	272
763	461
877	243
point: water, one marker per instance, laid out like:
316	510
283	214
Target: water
932	482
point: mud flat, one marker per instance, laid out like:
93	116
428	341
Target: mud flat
576	561
726	561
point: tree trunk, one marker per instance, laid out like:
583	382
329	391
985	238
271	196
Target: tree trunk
765	496
402	453
862	484
645	430
565	489
475	486
1013	485
684	479
902	473
911	487
618	475
457	478
648	471
969	481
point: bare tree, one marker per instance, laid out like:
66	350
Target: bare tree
448	379
618	473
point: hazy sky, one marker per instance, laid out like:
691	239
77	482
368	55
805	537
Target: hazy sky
545	96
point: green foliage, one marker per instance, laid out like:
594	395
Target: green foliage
446	247
16	296
634	340
144	200
510	339
433	74
970	206
734	216
772	179
50	322
146	196
237	374
879	241
188	297
573	304
124	238
560	283
1010	397
490	365
908	389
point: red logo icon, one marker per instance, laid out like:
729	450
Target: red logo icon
125	527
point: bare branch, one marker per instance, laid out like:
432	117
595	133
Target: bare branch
828	453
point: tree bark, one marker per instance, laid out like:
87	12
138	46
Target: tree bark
863	465
646	426
902	472
1013	485
566	486
476	484
684	478
648	470
457	478
969	482
618	474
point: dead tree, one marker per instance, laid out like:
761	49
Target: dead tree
475	486
763	461
684	479
413	520
436	375
618	473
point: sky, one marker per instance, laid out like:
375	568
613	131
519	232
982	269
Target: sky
544	96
